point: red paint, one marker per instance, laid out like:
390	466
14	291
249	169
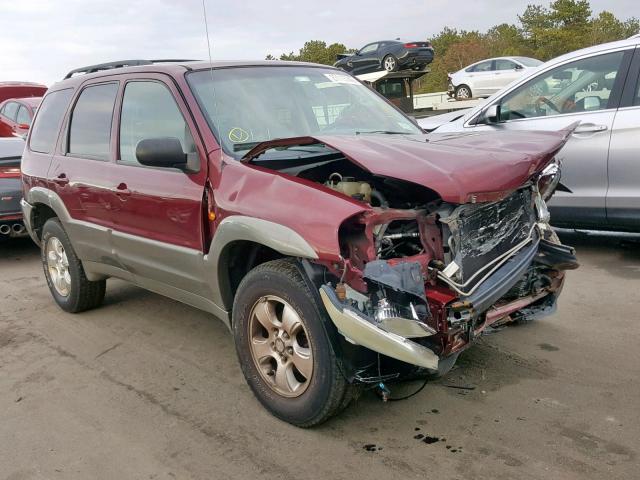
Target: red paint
461	168
176	208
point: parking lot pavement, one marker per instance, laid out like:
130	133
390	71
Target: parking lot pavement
148	388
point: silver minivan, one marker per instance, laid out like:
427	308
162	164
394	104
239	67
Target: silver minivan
599	87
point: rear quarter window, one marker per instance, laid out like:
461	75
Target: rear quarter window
44	132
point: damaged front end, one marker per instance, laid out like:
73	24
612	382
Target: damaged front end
427	264
419	285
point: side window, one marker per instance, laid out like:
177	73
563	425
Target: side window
44	132
10	110
369	49
150	111
23	116
503	64
484	67
636	101
581	86
90	127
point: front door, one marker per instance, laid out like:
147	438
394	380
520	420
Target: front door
366	60
506	72
159	215
591	99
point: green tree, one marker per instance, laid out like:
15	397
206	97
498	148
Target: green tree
316	51
607	28
543	33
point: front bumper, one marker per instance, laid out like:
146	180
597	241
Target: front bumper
487	305
357	328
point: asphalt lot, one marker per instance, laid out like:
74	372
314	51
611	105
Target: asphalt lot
148	388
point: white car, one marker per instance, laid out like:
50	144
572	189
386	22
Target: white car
599	87
486	77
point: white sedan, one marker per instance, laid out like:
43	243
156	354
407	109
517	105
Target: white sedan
486	77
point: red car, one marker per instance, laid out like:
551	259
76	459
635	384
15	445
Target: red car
16	115
342	246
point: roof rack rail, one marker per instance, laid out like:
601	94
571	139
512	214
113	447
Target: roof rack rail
120	64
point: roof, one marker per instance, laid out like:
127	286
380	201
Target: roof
21	84
176	68
603	47
31	101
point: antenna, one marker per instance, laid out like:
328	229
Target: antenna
213	92
206	28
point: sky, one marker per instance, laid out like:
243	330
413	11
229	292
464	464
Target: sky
41	40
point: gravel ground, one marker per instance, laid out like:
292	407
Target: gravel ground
148	388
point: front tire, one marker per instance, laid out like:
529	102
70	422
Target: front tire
65	275
390	63
283	348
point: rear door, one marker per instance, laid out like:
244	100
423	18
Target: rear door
8	119
623	195
159	216
23	121
81	171
483	78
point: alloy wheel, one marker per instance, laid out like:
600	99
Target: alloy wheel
280	346
389	64
58	266
463	92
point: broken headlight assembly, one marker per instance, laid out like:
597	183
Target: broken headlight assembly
549	179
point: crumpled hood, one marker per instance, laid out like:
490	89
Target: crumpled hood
456	166
460	167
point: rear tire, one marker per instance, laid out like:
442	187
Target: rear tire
390	63
463	92
65	275
278	327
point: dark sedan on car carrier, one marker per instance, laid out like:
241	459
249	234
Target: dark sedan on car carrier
389	55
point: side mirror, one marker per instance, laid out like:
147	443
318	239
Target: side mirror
165	152
519	67
491	115
23	126
591	103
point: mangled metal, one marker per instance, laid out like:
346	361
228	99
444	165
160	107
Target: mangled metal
416	266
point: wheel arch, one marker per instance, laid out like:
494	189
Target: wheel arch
241	243
43	204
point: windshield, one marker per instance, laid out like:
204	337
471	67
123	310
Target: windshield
528	62
248	105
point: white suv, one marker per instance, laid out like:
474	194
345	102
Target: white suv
486	77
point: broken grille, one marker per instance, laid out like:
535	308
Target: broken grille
482	232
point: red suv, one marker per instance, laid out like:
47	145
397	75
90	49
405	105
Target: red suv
342	246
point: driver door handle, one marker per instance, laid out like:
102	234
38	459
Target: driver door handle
590	128
61	179
122	189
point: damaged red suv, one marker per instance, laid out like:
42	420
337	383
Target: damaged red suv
342	246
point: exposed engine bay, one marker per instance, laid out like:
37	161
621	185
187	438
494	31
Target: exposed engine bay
421	277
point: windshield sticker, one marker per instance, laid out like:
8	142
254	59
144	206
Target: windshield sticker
340	78
238	135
